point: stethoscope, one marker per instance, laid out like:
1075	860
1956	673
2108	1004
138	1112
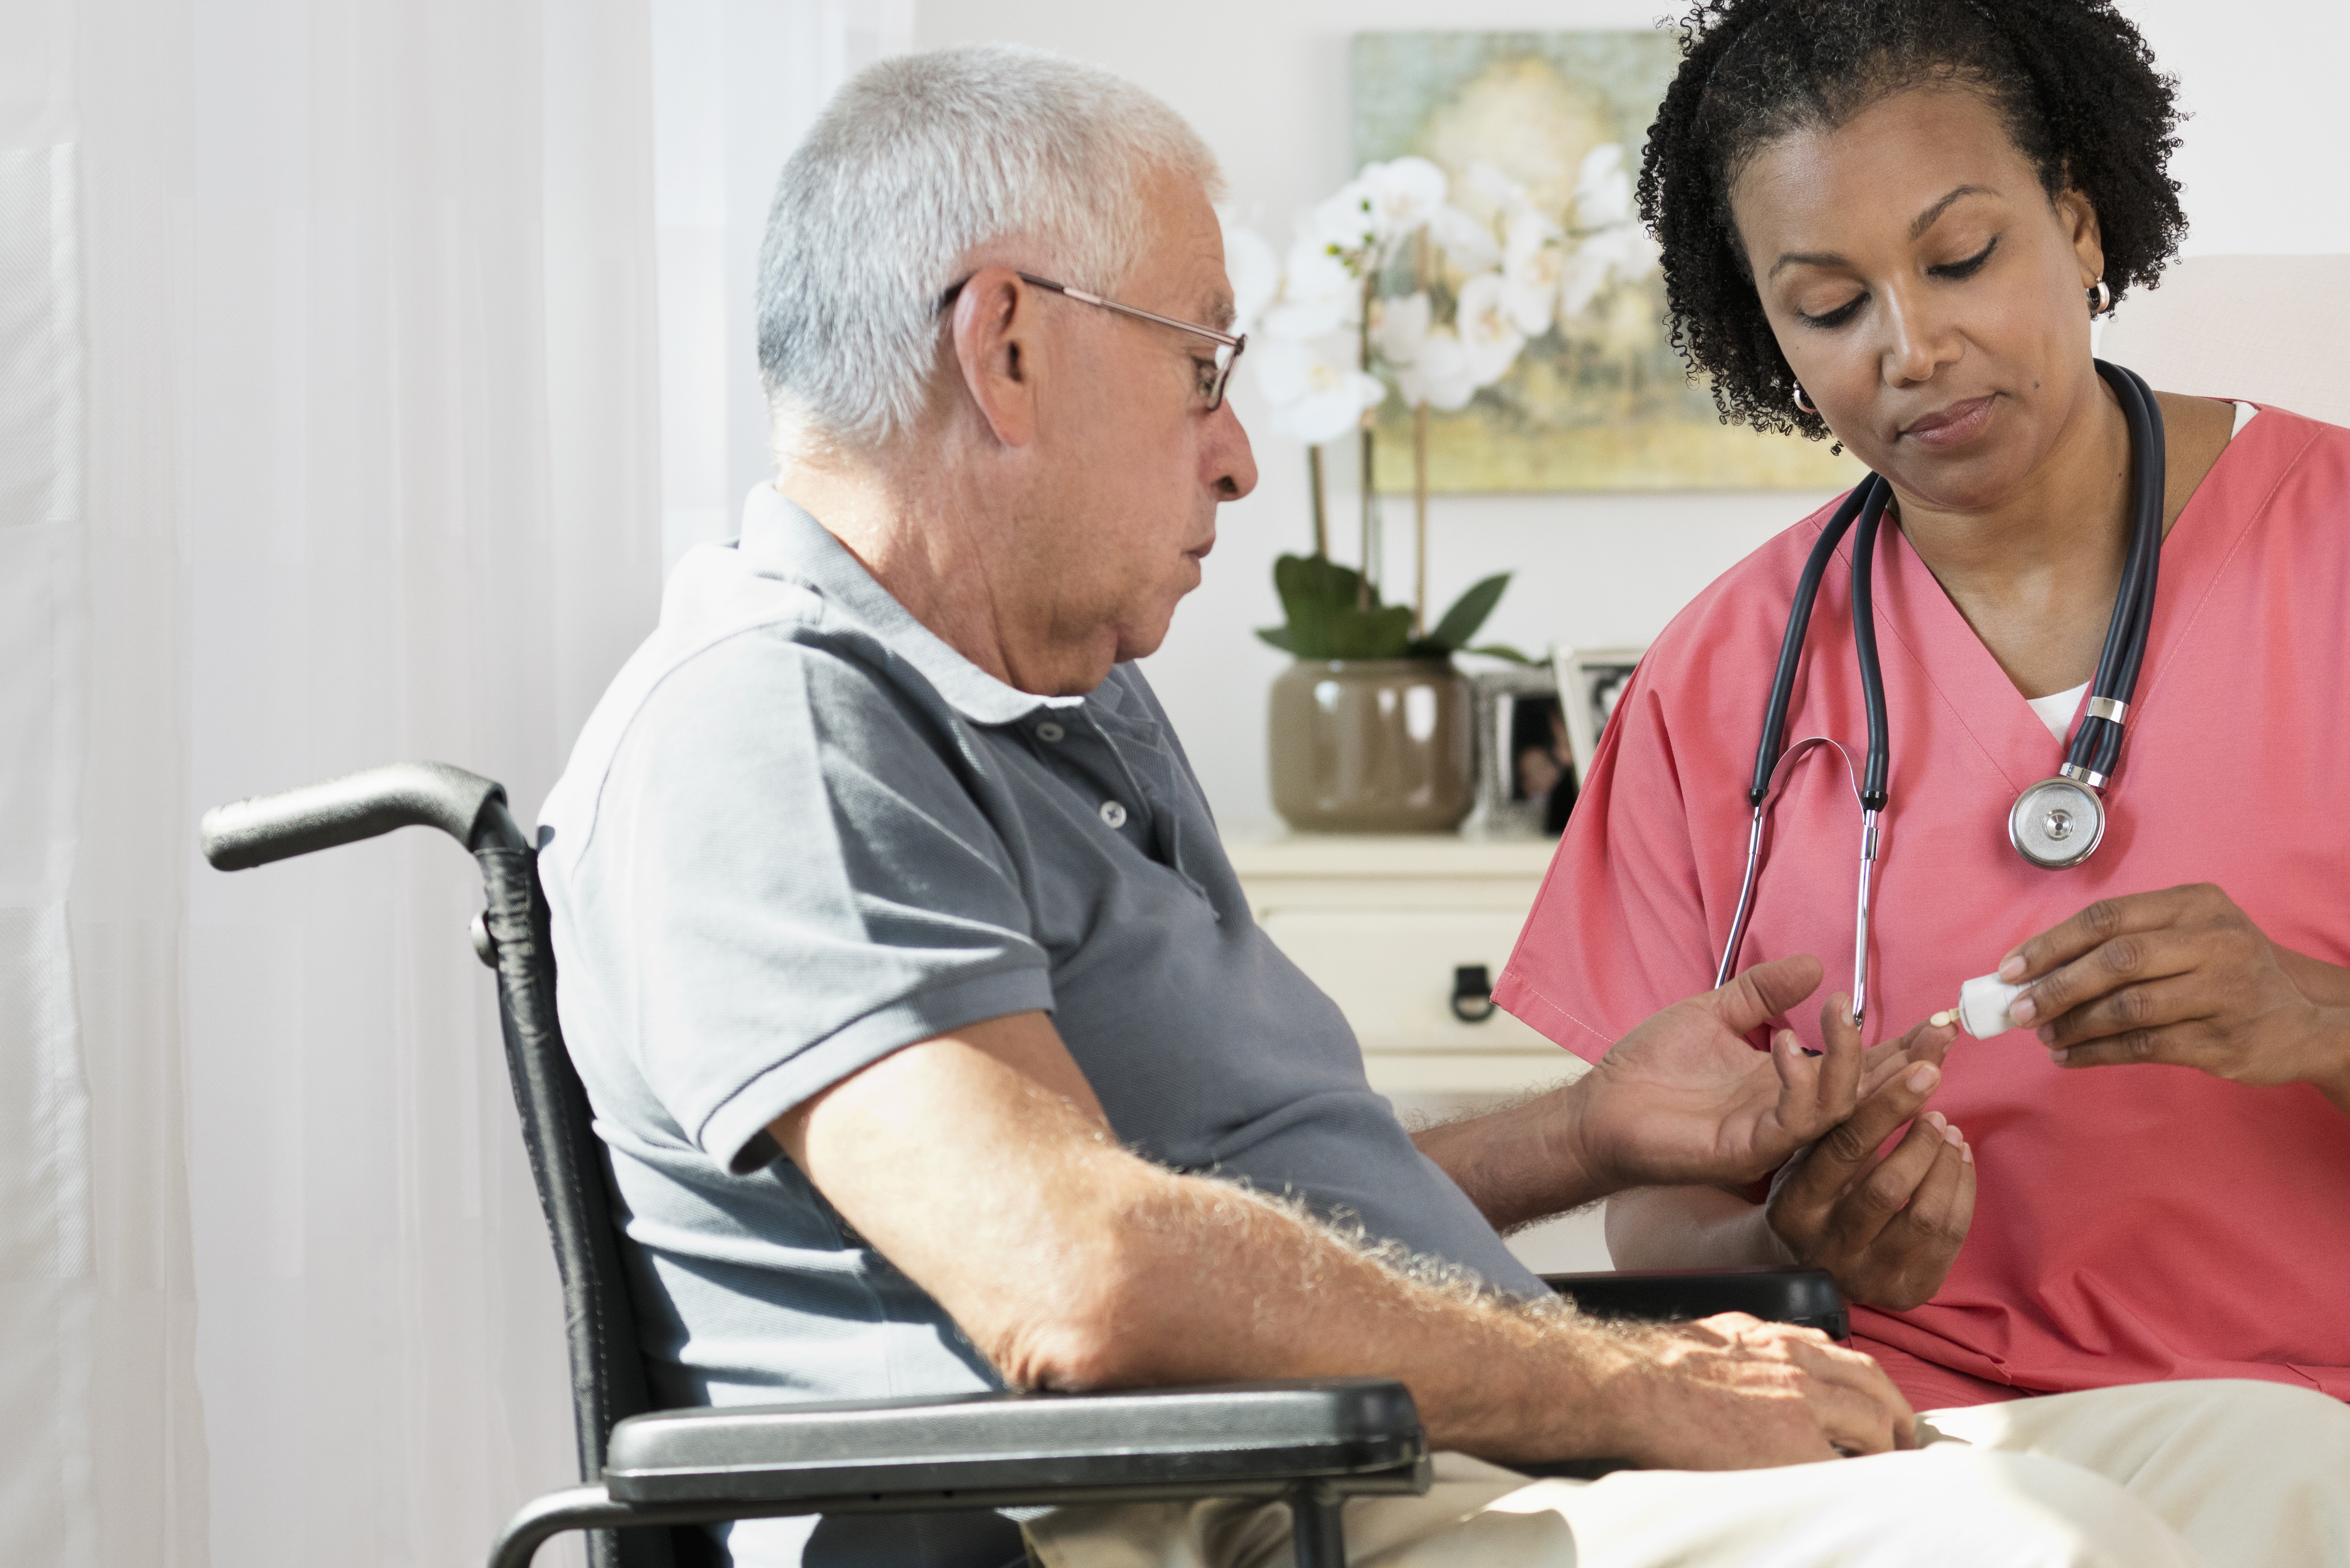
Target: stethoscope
2056	823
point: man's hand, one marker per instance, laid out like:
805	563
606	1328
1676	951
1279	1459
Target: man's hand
1888	1229
2183	977
1733	1393
1683	1100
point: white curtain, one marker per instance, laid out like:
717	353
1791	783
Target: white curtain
339	339
329	381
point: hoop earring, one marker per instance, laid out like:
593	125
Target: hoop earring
2101	299
1803	407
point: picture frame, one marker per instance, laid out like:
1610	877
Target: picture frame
1589	680
1517	707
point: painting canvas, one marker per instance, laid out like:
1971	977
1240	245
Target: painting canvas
1601	401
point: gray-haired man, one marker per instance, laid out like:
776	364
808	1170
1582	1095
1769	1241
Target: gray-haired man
931	1036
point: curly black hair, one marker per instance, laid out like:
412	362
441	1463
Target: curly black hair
2073	80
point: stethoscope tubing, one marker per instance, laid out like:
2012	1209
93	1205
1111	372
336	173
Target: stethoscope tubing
2096	746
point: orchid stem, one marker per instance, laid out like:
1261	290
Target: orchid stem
1314	482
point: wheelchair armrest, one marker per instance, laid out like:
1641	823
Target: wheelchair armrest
1807	1297
1358	1435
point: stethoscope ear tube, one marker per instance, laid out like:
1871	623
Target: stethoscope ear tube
2098	744
1863	637
1791	646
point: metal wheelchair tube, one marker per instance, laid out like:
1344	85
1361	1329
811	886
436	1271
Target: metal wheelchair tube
254	831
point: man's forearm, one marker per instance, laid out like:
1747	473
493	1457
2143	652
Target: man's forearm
1072	1263
1519	1163
1505	1382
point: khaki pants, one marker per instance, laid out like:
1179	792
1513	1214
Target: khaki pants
2198	1475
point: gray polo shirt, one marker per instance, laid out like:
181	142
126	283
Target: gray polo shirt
800	832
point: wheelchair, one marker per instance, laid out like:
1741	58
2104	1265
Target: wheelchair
650	1476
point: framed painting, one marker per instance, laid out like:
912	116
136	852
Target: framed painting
1599	400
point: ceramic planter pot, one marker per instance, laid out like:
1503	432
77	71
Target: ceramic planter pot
1372	745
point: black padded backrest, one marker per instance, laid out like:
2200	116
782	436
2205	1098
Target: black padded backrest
568	1163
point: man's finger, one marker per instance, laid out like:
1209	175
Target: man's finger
1765	992
1838	1076
2101	922
1854	1402
1927	1042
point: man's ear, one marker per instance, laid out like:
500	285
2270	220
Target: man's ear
999	352
2079	216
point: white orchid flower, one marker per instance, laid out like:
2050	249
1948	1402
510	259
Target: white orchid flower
1487	187
1311	398
1603	188
1405	195
1400	328
1624	254
1581	279
1533	258
1346	221
1489	339
1318	294
1467	243
1440	376
1254	269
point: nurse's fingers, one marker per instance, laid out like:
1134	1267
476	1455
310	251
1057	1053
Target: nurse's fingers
1914	1252
1846	1148
2100	923
1862	1215
2130	958
2142	1007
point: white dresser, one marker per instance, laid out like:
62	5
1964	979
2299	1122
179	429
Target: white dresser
1382	923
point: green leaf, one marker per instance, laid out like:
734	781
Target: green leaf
1278	636
1320	598
1502	650
1381	633
1469	612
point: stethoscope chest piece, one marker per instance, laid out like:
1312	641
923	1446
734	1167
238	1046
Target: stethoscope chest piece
2056	823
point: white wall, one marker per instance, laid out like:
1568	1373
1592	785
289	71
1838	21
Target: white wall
1266	82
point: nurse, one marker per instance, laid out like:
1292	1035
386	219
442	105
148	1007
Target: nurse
1889	225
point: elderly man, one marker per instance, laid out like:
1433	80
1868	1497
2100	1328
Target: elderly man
931	1036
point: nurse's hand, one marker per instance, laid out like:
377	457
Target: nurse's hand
1887	1228
2183	977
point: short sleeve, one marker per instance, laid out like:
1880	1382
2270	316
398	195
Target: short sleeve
794	876
1618	929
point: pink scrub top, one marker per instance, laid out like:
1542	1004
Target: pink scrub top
2131	1223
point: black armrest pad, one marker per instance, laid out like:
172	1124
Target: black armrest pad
1255	1435
1797	1295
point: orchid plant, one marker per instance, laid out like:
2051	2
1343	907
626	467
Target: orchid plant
1398	284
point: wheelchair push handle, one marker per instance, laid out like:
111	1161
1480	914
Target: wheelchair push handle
466	806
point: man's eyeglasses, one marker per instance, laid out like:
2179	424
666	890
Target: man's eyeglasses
1228	348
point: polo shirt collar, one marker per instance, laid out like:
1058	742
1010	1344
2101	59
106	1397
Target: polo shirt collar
780	539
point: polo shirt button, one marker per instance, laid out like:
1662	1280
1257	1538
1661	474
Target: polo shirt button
1113	814
1049	731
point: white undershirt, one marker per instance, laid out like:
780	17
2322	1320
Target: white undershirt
2058	708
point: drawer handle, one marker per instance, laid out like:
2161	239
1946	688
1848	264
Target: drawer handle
1472	994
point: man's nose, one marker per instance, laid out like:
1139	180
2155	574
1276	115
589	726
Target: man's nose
1232	465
